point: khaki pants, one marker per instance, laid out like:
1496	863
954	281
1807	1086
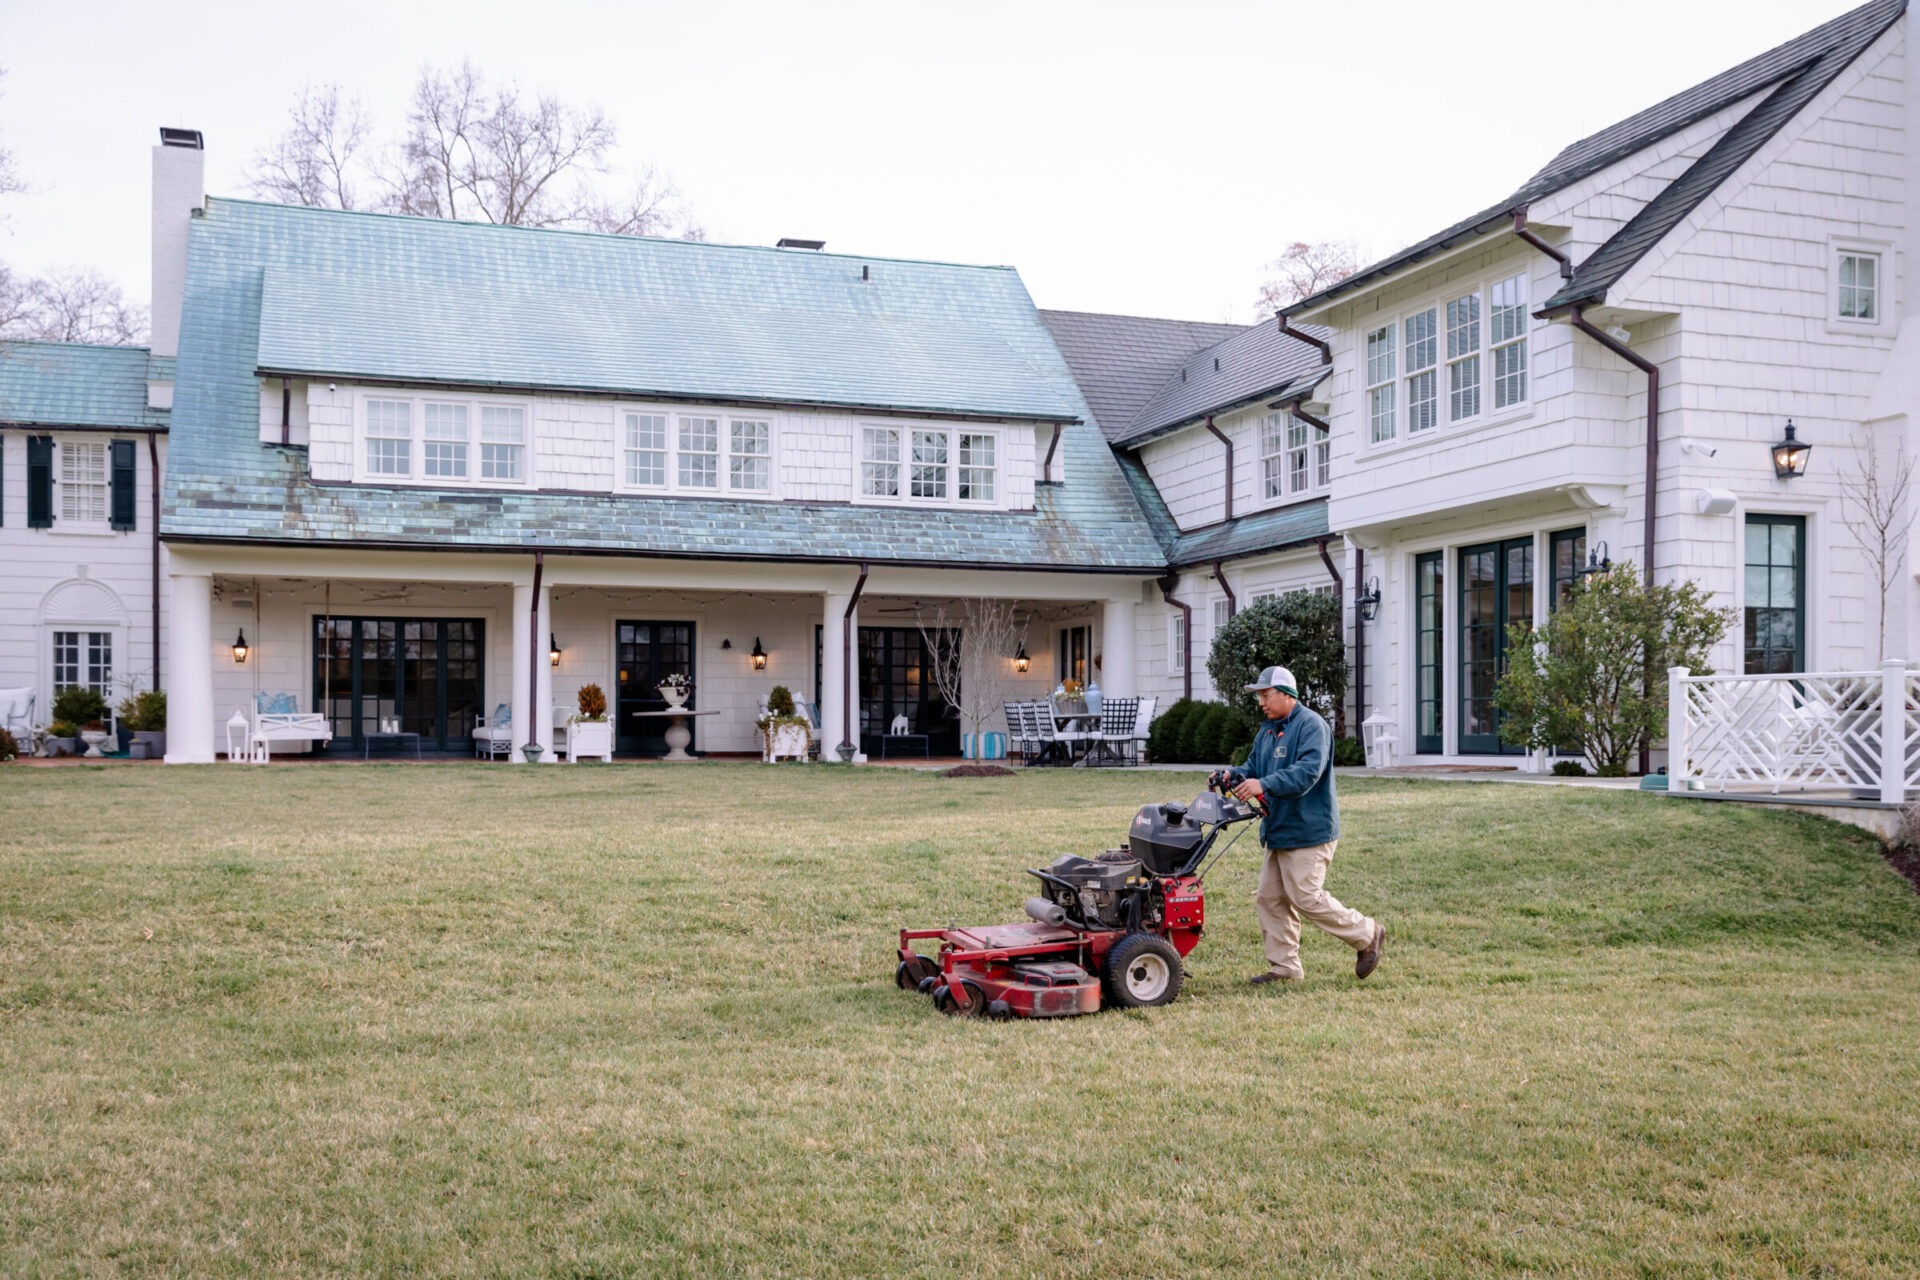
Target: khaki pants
1292	888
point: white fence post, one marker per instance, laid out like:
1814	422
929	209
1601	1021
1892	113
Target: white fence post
1676	729
1893	732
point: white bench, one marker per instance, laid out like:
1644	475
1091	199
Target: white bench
270	727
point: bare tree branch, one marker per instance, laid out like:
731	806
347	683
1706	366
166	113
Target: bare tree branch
1302	271
316	162
971	674
11	182
1877	515
69	305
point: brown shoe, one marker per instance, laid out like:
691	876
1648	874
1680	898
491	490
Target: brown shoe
1369	960
1262	979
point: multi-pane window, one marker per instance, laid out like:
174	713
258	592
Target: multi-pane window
83	659
444	446
699	453
1380	383
83	482
1298	475
929	473
1507	322
880	462
1463	358
749	455
1273	455
1177	644
1222	615
644	448
1323	460
976	468
1421	346
1859	286
390	437
503	442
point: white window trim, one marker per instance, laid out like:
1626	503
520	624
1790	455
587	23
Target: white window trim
1317	441
672	486
953	430
1175	646
1445	424
87	528
1884	301
416	475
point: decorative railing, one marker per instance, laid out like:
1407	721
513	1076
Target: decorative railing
1857	731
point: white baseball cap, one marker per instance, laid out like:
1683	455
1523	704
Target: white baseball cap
1275	678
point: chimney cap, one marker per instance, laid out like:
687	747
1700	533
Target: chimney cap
189	138
788	242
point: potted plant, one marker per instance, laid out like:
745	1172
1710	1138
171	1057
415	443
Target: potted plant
589	732
676	688
783	731
145	715
63	739
79	705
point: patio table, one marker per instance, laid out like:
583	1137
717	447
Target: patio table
398	739
677	735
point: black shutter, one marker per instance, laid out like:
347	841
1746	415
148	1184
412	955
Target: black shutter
39	482
121	511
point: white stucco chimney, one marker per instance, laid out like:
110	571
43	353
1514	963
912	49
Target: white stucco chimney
179	187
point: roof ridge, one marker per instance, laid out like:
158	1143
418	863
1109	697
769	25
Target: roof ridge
7	344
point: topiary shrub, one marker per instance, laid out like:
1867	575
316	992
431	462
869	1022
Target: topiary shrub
144	712
1201	734
77	704
592	700
1163	735
1569	769
780	701
1349	752
1299	631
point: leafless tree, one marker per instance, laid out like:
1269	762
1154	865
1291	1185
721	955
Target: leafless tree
1877	515
971	674
318	161
1304	270
10	180
471	150
70	305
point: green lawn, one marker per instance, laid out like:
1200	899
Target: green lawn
600	1021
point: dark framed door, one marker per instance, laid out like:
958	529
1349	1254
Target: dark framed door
894	681
1074	650
1775	613
429	673
1496	589
644	654
1568	548
1429	641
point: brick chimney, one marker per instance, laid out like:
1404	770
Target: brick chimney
179	186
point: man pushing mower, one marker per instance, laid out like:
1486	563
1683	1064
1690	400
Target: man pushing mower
1291	773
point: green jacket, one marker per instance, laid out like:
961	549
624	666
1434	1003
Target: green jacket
1293	759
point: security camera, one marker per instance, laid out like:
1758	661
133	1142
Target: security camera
1696	448
332	387
1619	334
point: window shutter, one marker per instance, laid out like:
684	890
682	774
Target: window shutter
120	513
39	482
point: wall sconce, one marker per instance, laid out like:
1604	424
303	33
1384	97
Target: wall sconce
1597	561
240	649
726	644
759	655
553	650
1790	456
1021	661
1368	601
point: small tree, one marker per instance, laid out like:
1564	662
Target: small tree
1299	631
1593	677
1878	517
968	657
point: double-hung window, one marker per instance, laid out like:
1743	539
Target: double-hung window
929	470
1421	346
1273	455
644	448
445	443
83	482
1507	320
696	452
1299	472
749	455
1380	383
699	449
443	440
503	442
1463	358
1859	287
880	462
930	465
977	453
390	438
1467	352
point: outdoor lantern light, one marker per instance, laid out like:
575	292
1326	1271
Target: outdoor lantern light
1597	561
240	649
553	650
1021	661
1790	455
758	655
1369	601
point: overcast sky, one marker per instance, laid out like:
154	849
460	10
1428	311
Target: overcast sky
1134	157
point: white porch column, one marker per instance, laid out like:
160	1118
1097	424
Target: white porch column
523	653
544	699
190	710
1893	732
833	674
1117	676
1676	729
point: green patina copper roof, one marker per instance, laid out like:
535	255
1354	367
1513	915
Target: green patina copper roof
63	384
360	295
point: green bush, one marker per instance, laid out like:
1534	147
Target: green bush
1349	752
780	701
63	729
1201	734
1236	738
144	712
1163	736
77	704
1569	769
1299	631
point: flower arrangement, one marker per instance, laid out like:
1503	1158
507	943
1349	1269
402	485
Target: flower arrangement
593	703
1069	691
677	680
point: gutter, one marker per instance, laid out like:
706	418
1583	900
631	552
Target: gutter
1046	467
1293	408
1288	331
1340	597
1220	576
1520	229
849	744
1360	640
153	467
1167	584
1227	487
533	656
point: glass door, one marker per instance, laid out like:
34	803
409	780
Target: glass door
1496	589
1775	632
646	653
894	682
427	673
1430	724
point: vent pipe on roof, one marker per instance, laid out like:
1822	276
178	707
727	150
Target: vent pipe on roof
788	242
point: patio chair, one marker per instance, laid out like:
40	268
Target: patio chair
16	714
1115	742
1142	723
277	718
1019	743
493	735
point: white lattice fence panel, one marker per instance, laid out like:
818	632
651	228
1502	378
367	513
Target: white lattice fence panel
1912	712
1785	731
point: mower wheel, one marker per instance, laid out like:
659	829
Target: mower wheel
910	973
976	1001
1143	970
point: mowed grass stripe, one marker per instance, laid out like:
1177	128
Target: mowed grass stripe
608	1021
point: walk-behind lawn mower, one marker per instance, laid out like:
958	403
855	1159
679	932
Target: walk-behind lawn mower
1120	923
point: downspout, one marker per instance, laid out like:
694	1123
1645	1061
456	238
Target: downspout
1340	596
1293	407
153	465
1167	584
1652	371
1360	641
1046	466
1228	485
286	411
533	655
1286	330
1520	229
849	746
1220	576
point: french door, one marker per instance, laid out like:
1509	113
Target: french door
428	673
646	653
895	681
1429	639
1496	589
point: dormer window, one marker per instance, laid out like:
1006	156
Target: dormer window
700	453
1467	353
928	465
444	429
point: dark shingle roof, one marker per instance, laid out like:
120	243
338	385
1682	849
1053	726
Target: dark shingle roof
1260	363
63	384
1120	361
1809	62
